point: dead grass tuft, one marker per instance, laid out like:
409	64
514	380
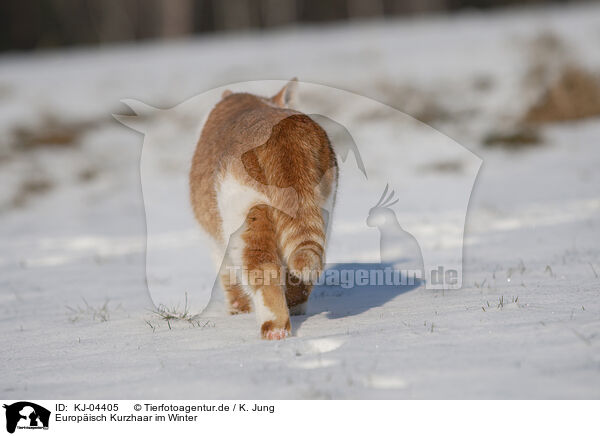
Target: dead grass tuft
169	314
99	313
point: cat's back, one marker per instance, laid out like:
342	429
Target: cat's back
236	125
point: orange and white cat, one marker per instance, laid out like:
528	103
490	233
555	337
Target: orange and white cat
262	177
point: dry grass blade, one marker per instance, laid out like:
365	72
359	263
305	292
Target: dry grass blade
100	313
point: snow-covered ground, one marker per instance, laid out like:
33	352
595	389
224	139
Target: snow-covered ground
76	317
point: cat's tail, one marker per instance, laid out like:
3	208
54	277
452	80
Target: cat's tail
302	241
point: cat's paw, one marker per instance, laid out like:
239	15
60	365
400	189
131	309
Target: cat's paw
271	332
239	306
237	301
276	334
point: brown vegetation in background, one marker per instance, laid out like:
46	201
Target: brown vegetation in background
51	132
34	187
418	103
555	88
561	89
574	95
514	139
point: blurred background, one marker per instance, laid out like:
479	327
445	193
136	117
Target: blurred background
29	25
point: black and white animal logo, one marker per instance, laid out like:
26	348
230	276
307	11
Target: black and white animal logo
26	415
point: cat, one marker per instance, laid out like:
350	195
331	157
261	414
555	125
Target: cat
263	182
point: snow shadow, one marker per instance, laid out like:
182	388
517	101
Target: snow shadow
349	298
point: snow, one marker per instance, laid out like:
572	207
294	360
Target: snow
76	316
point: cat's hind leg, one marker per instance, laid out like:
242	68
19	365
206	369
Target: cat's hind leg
296	294
237	300
262	273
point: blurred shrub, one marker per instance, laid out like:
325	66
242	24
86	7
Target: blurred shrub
574	95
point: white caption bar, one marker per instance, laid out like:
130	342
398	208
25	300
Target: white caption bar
157	417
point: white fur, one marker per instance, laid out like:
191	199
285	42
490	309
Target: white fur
263	313
234	200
